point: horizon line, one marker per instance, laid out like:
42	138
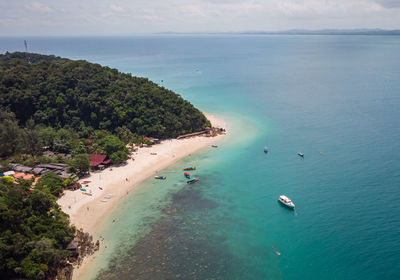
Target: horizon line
326	31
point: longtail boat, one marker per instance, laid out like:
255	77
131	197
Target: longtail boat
187	175
161	177
189	168
193	180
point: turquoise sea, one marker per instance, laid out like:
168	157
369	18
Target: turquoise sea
334	98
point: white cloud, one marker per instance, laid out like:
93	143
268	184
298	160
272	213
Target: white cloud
389	3
38	7
127	16
117	9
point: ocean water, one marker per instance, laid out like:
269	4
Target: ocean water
334	98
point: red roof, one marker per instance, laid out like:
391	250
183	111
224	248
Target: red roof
19	175
28	177
148	138
106	161
96	159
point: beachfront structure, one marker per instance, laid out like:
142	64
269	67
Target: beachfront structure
98	161
9	173
18	175
151	139
22	168
28	177
59	168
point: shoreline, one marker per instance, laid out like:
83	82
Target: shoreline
88	212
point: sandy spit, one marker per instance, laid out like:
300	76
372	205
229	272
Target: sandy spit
87	212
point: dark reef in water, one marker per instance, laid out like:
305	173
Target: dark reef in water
181	245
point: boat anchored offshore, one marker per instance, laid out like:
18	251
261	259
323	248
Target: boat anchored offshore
300	154
265	149
193	180
161	177
187	175
286	201
189	168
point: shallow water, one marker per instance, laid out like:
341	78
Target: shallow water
334	98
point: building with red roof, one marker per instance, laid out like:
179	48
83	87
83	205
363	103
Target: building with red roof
96	160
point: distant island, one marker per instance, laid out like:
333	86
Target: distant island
58	119
305	32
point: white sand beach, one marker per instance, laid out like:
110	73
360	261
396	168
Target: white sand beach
118	181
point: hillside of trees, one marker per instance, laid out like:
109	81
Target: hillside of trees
33	229
68	109
62	93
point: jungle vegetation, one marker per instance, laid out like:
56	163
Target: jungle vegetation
62	93
33	230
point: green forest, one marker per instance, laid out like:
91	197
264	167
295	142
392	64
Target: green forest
71	109
33	229
62	93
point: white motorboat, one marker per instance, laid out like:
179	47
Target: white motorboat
286	201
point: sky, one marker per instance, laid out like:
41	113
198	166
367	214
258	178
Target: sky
126	17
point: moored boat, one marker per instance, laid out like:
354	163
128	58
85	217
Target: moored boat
265	149
193	180
161	177
286	201
187	175
189	168
300	154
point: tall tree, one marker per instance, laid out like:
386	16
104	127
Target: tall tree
31	139
10	134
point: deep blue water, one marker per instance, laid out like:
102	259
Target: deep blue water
334	98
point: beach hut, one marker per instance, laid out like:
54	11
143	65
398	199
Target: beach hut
18	175
9	173
38	170
96	160
29	177
22	168
151	140
73	247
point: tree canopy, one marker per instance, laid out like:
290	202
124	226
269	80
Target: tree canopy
63	93
33	230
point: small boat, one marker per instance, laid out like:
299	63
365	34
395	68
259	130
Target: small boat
187	175
301	154
86	182
214	146
286	201
189	168
193	180
265	149
161	177
82	189
87	193
108	196
100	188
